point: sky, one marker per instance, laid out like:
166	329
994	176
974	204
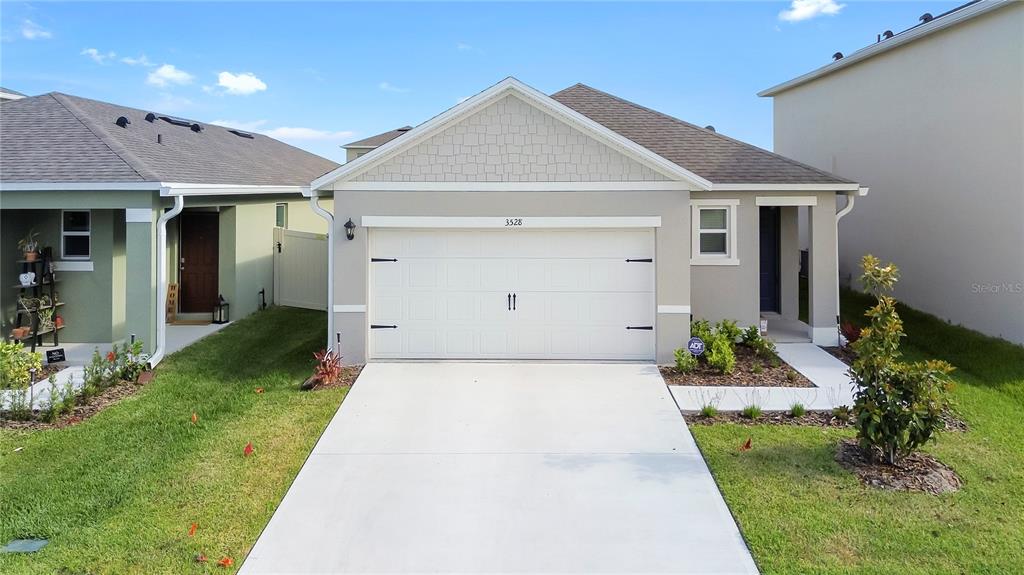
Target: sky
318	75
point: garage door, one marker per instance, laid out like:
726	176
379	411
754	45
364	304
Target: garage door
525	294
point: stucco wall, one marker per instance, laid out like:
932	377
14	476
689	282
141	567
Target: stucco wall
510	141
936	129
672	242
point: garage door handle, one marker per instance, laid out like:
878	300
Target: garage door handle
513	302
383	259
509	302
376	326
643	260
644	327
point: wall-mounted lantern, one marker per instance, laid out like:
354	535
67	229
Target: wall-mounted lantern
221	310
350	229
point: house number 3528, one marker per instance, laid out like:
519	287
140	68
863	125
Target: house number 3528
509	222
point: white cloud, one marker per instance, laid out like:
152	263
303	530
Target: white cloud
140	61
463	47
241	84
32	31
387	87
168	74
171	104
97	56
252	126
800	10
308	134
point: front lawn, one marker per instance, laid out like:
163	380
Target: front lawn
119	492
802	513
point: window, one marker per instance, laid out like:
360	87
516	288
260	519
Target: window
714	232
74	235
282	215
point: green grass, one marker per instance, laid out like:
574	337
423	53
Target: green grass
802	513
118	492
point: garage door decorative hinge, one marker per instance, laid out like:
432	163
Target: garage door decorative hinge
383	259
377	326
645	327
643	260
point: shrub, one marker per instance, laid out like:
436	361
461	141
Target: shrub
720	354
685	361
708	410
328	367
897	406
752	411
842	413
728	329
758	369
790	375
702	329
765	348
797	410
15	363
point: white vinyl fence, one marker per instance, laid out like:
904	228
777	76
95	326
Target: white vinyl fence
300	269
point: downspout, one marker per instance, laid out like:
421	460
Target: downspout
328	217
161	277
851	198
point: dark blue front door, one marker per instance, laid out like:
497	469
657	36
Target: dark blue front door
770	239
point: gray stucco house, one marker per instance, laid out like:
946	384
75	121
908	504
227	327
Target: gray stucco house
127	202
934	116
571	226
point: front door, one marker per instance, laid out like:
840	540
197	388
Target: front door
197	264
770	260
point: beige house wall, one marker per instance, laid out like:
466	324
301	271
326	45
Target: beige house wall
510	141
936	129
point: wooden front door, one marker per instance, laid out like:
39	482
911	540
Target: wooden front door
197	262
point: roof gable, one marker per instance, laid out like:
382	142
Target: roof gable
364	166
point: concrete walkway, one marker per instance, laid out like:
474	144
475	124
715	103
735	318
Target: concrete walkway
828	374
513	468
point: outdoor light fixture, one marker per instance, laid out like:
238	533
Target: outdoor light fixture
350	229
220	310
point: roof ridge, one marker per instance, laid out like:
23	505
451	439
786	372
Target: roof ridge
706	131
125	155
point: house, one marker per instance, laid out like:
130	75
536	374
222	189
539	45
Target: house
934	117
8	95
572	226
131	201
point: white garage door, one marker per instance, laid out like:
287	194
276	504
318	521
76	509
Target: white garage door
525	293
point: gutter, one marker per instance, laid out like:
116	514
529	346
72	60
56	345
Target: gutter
314	204
161	276
851	198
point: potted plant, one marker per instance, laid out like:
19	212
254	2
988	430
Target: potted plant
45	319
29	245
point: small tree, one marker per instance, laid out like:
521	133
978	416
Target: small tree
897	406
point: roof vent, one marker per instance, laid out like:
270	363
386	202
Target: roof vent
177	121
837	56
196	128
926	17
159	138
151	117
122	122
709	128
242	134
887	34
404	129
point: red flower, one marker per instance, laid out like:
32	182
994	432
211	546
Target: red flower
248	449
226	562
192	529
111	356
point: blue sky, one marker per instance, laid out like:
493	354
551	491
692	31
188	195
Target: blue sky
319	75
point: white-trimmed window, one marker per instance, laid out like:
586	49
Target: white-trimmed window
281	215
75	230
713	241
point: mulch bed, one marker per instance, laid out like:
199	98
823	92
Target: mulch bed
915	472
809	419
349	373
743	375
82	410
843	354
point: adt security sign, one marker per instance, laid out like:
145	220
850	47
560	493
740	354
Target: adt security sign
695	346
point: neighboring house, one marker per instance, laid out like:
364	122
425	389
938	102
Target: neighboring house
933	118
360	147
130	201
571	226
8	95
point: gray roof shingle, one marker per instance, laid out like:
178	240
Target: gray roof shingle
708	154
379	139
60	138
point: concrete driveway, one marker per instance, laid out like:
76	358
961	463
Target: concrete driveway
512	468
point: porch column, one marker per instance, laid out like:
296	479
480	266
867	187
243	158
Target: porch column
789	261
823	273
140	263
